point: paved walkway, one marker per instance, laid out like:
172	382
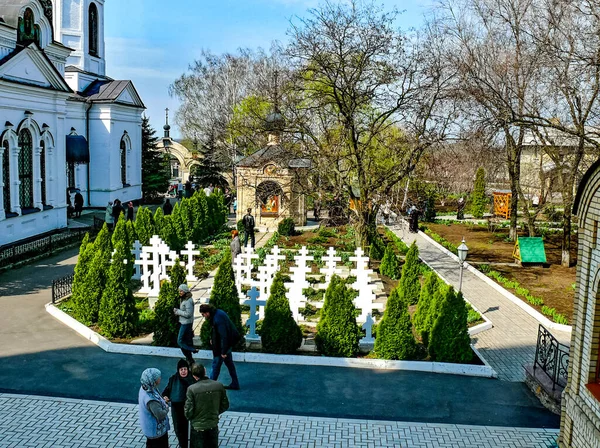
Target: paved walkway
511	343
34	421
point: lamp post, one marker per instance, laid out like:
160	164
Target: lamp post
462	256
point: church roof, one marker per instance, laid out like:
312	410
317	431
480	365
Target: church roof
111	91
274	153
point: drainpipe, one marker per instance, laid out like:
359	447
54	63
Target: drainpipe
87	134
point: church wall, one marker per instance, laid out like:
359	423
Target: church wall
107	125
48	108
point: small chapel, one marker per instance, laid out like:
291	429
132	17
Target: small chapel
272	181
65	126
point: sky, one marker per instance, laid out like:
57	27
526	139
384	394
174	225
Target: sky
153	42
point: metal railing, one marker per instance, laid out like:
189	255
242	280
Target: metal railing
62	287
552	357
14	253
98	223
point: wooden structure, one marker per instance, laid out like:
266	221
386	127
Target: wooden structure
502	203
529	250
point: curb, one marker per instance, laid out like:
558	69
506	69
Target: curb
514	299
485	371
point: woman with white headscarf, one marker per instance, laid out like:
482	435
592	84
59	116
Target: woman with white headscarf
153	410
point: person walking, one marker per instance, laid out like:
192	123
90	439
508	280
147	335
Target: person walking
167	207
174	394
248	222
117	210
130	211
185	339
78	204
205	401
235	245
108	216
223	339
153	410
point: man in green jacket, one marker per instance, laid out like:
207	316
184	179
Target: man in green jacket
205	401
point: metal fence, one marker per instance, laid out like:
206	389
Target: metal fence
62	287
14	253
552	357
98	223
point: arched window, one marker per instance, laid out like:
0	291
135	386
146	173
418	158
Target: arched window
26	169
6	177
123	163
28	31
93	29
70	175
269	195
43	170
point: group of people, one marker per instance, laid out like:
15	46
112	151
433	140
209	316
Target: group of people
195	400
113	212
74	207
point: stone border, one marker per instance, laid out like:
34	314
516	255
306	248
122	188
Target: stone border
485	371
514	299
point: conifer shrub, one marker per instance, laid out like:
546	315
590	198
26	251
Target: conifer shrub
168	233
224	296
78	296
179	228
120	233
118	315
144	225
279	332
450	341
426	306
395	339
377	246
200	217
287	227
389	264
159	221
95	279
338	334
187	218
177	274
479	201
409	280
165	321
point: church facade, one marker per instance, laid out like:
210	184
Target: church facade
64	125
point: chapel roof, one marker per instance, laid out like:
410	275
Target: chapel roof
108	91
276	154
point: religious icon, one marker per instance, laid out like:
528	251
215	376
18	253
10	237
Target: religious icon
271	205
270	170
28	31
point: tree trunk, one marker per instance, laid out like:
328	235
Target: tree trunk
514	171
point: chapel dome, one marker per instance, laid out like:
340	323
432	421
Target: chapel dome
274	122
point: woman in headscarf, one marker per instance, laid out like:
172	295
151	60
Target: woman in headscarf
153	410
175	393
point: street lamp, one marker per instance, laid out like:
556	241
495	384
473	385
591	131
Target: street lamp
462	256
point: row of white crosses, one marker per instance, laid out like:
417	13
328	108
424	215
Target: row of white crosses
151	263
260	287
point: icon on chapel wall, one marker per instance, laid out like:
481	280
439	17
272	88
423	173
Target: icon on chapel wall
28	31
270	206
270	170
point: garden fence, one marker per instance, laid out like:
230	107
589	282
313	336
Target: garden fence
25	250
552	357
62	287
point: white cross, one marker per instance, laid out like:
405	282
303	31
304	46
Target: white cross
168	261
272	259
145	264
294	294
239	268
248	255
189	254
330	268
363	284
137	252
265	280
253	302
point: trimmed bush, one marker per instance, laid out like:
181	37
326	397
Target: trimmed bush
287	227
78	296
426	306
168	233
395	339
120	233
479	201
338	333
409	280
177	274
199	209
144	225
450	341
118	316
159	221
224	296
377	249
389	264
179	228
279	332
165	321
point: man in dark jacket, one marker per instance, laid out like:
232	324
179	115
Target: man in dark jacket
205	401
117	210
224	337
175	393
78	204
130	211
248	221
167	207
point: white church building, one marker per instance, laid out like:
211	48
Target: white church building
64	125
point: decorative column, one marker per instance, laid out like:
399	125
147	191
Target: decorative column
50	176
15	205
37	178
2	155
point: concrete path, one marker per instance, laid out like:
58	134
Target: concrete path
64	423
40	356
511	343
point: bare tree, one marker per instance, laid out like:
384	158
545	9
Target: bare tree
369	100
